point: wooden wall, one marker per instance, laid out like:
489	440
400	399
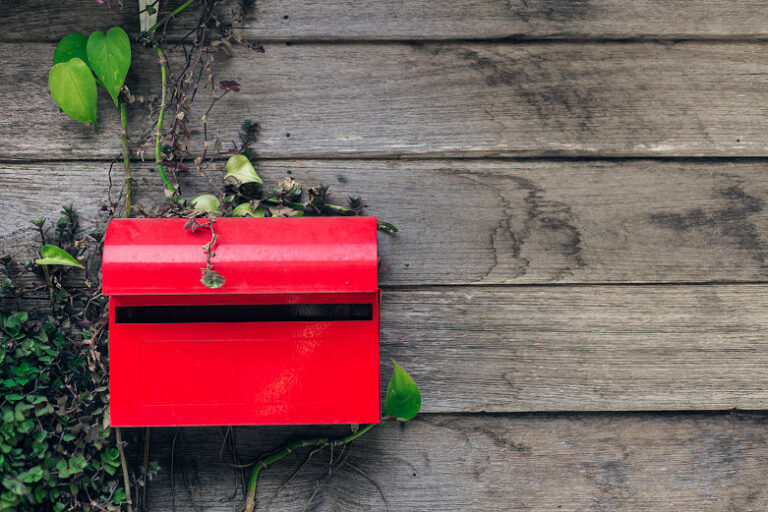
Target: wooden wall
581	190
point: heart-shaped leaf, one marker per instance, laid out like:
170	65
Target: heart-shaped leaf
240	170
52	255
74	89
71	46
403	396
206	203
109	56
247	210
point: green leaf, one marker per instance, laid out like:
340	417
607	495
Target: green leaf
246	210
119	496
71	46
77	464
14	322
240	170
212	279
52	255
206	203
62	468
386	226
32	475
74	89
15	486
403	396
110	58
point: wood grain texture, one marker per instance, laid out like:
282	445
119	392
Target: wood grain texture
297	20
573	463
325	100
588	348
488	221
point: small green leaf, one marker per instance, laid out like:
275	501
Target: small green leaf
403	396
77	464
52	255
109	56
240	170
13	323
212	279
386	226
71	46
32	475
74	89
246	210
119	496
15	486
206	203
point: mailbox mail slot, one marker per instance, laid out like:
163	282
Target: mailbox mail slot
291	338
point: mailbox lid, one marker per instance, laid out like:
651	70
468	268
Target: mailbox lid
255	255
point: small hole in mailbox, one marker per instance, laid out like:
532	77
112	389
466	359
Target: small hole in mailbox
243	313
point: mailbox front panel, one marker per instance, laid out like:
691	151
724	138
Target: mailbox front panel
244	359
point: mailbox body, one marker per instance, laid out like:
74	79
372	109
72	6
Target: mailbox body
291	338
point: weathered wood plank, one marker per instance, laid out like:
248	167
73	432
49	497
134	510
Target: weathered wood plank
645	99
574	463
296	20
594	348
489	221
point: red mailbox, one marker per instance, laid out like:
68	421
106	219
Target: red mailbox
291	338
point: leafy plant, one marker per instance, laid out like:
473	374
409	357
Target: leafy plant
54	438
56	451
80	62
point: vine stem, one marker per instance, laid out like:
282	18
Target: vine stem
124	464
161	115
322	442
126	157
48	281
172	15
380	224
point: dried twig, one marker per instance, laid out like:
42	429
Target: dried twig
124	465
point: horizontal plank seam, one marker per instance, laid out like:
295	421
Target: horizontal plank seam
618	413
512	39
614	284
396	157
434	287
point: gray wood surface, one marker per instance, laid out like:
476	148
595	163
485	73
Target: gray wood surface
573	463
520	281
297	20
488	221
449	99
